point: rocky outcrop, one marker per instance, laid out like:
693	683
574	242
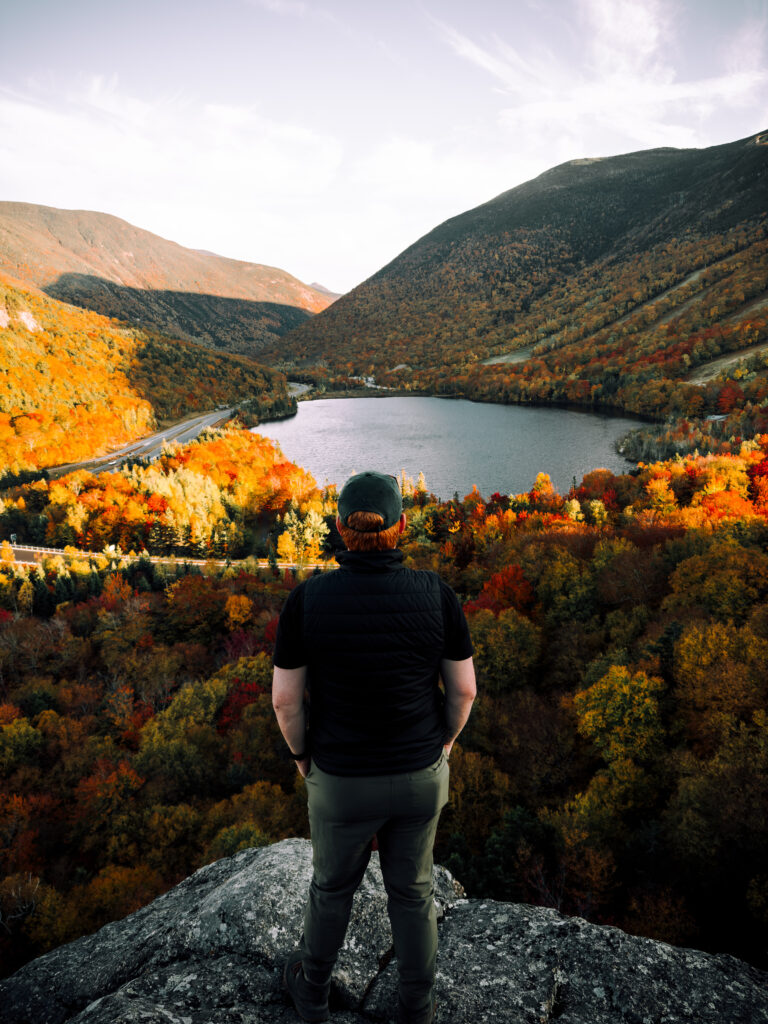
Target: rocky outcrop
210	951
25	318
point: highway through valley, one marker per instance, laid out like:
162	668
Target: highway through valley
148	447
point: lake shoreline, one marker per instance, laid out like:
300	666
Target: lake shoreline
457	444
597	410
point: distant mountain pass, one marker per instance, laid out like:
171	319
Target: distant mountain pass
103	263
325	291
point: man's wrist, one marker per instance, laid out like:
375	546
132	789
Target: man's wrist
299	757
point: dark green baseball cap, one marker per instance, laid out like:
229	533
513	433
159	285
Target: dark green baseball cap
371	492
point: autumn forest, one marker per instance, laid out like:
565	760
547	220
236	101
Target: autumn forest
616	762
616	765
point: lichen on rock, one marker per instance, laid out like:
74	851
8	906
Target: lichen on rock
211	950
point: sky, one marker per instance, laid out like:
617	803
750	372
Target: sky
326	137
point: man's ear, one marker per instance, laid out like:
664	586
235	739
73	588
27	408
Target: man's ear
338	523
402	522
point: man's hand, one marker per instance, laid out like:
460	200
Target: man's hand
304	766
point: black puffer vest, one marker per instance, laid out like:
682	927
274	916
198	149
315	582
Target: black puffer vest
374	635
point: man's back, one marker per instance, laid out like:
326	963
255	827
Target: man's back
368	644
374	636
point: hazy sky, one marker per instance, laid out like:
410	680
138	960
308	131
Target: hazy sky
326	137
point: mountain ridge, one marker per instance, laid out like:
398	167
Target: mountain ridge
74	383
556	260
638	160
86	258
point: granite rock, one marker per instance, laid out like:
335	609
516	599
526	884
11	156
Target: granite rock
211	950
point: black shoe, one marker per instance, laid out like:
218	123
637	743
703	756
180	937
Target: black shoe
309	998
425	1016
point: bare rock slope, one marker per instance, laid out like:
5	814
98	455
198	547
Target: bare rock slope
211	950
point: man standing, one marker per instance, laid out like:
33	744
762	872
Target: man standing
370	643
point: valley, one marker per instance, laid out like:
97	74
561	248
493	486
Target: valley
615	278
149	447
615	764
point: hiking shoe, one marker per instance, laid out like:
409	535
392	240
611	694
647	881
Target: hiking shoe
309	998
425	1016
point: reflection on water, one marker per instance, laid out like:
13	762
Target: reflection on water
455	443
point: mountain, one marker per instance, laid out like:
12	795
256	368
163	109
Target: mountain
325	291
102	263
212	949
74	384
590	284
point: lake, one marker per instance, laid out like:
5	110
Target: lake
454	442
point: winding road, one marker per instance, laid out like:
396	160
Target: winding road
151	446
146	448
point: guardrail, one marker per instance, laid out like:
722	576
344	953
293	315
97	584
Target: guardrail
53	551
263	563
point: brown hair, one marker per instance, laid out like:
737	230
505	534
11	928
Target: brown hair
363	532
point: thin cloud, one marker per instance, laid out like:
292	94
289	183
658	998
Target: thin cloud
298	9
626	36
745	50
197	174
291	8
508	66
622	83
209	141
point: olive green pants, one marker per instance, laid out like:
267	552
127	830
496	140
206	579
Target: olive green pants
344	815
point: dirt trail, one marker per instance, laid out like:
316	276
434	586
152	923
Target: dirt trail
670	314
708	371
751	307
520	355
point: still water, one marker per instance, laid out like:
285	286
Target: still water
455	443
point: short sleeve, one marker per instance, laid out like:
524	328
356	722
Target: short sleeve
289	643
458	642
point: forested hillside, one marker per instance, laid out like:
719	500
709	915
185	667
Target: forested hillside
615	765
616	762
214	497
73	383
601	283
104	264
